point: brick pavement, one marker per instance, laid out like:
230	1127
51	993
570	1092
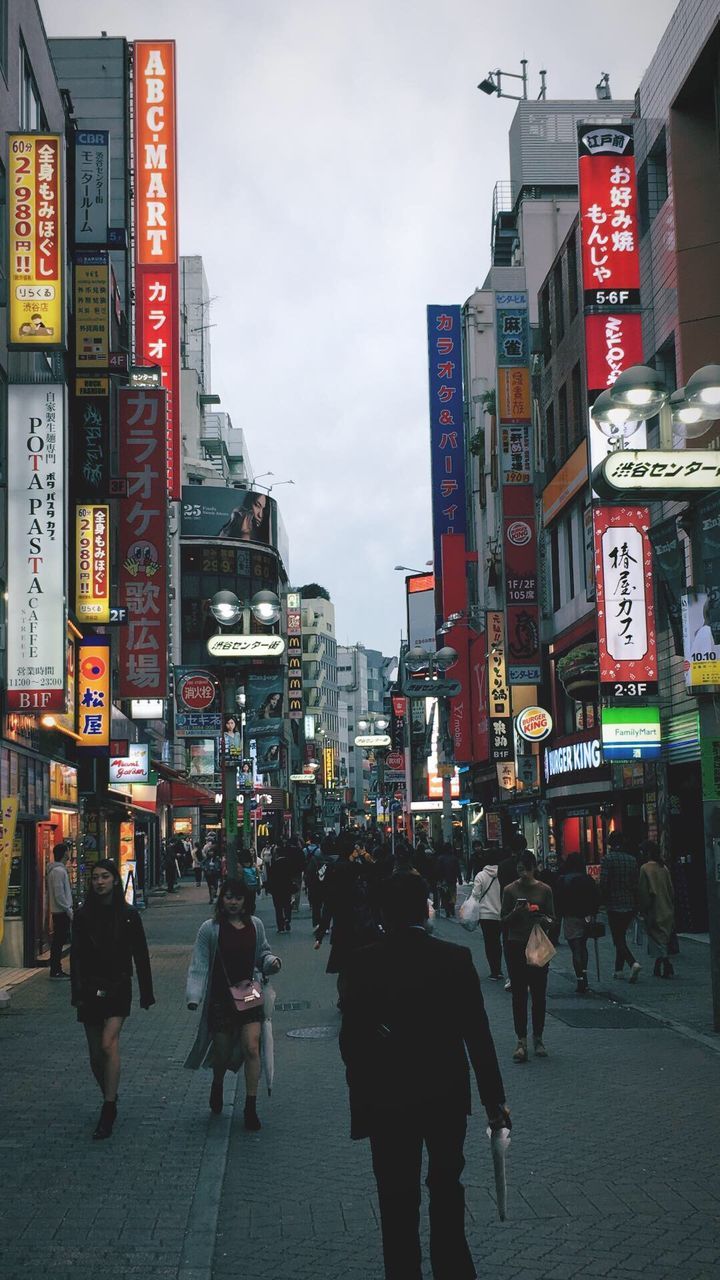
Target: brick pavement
612	1167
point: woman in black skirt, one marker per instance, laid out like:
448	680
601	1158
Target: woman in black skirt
108	937
230	949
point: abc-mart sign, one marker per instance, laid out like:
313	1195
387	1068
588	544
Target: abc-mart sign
573	758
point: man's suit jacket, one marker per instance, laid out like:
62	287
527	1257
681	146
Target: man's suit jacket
412	1007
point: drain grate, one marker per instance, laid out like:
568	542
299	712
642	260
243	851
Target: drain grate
291	1006
312	1033
601	1018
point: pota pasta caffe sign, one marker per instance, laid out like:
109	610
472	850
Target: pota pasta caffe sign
36	548
36	222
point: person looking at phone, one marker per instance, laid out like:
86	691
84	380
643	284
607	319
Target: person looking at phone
525	903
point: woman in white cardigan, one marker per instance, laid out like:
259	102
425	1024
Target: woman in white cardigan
486	891
229	949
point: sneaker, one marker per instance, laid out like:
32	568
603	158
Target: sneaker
508	985
521	1053
539	1047
61	974
634	972
496	977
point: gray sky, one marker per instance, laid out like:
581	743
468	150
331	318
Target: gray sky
336	172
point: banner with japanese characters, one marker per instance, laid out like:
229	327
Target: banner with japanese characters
498	690
36	252
447	450
142	534
157	341
92	566
92	177
625	611
36	548
92	311
94	705
90	439
608	216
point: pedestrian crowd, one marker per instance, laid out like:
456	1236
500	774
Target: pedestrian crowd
412	1011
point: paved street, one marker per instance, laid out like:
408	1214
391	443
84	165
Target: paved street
613	1161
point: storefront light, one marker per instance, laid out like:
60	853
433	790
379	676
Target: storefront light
703	387
640	388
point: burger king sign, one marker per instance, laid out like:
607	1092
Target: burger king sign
533	724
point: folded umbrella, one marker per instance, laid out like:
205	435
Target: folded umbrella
499	1143
267	1041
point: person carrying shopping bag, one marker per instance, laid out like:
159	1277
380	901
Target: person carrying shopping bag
526	904
486	897
230	958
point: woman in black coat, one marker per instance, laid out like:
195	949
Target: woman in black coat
108	937
578	900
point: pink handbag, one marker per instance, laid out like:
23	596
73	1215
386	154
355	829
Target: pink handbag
247	995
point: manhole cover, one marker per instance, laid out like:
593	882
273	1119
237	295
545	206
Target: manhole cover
312	1033
291	1006
612	1018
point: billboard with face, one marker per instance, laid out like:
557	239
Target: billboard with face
241	514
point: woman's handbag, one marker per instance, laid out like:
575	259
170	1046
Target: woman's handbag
247	994
539	950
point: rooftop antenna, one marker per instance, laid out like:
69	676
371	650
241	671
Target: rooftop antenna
493	83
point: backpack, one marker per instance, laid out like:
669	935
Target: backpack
250	877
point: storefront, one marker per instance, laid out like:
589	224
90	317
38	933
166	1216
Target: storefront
579	802
26	776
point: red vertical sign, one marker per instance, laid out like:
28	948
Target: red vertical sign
454	600
157	341
143	544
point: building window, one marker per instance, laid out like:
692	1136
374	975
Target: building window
572	269
562	426
545	323
550	441
652	183
570	556
555	567
578	407
30	112
559	301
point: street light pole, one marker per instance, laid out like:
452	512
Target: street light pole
446	759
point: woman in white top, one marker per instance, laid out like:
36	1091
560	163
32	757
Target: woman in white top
486	891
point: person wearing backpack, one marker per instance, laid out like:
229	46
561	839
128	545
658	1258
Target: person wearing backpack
249	875
486	892
578	900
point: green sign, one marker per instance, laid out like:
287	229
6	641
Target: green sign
710	768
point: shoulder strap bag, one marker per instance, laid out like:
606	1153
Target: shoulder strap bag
247	994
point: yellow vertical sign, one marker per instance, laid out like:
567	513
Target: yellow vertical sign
92	571
36	252
8	823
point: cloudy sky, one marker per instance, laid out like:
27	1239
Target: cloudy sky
337	165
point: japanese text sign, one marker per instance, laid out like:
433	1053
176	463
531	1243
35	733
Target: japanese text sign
94	706
157	341
513	398
92	568
92	167
498	691
143	544
36	261
626	623
613	342
155	153
36	548
90	442
608	216
92	311
447	451
512	329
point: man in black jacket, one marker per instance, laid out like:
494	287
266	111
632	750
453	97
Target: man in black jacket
412	1008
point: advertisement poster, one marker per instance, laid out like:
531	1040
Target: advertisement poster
92	310
447	450
625	610
94	705
36	219
701	640
200	756
264	703
92	172
232	738
421	611
240	514
92	568
268	753
142	577
36	548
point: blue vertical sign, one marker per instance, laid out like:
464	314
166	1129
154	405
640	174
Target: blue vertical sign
447	436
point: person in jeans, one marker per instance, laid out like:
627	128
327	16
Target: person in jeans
578	899
525	903
486	891
61	908
619	878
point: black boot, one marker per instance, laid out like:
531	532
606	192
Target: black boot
657	971
250	1115
216	1097
582	985
105	1124
668	971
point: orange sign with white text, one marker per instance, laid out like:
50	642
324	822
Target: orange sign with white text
155	153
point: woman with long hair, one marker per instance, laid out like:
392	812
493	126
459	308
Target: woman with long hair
108	938
231	949
657	906
525	903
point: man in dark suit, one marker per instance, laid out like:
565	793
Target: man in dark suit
413	1007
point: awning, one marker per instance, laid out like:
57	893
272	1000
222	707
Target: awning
178	793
